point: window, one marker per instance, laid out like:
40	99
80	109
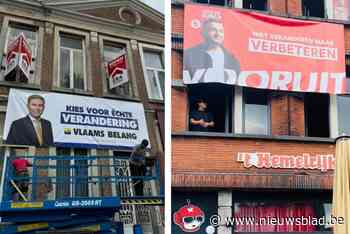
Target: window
26	74
260	5
347	65
72	175
110	52
256	112
154	72
72	69
312	8
343	106
216	2
219	99
317	114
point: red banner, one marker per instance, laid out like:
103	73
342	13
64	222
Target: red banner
262	51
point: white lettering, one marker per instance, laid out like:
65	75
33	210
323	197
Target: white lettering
281	84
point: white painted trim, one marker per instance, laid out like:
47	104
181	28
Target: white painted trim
6	155
328	4
238	4
333	116
52	172
86	55
238	110
92	171
113	173
143	46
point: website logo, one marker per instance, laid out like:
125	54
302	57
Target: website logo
189	217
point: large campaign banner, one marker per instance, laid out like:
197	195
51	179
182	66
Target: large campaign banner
262	51
72	121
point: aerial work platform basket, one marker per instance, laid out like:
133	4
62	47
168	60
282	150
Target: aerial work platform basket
73	194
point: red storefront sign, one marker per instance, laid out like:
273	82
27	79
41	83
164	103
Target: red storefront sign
262	51
304	161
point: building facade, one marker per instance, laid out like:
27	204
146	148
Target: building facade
71	43
254	162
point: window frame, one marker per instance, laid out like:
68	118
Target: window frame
157	49
130	64
86	62
228	106
208	3
72	186
325	11
307	118
8	20
334	110
269	129
71	64
251	9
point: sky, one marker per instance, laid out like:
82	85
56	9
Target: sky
156	4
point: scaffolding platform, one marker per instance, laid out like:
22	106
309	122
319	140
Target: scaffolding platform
71	194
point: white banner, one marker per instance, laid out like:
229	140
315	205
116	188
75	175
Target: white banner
73	121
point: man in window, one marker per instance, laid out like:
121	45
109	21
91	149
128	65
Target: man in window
32	129
211	56
200	119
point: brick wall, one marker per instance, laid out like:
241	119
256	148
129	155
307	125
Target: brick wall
48	57
179	110
294	7
195	156
279	115
176	64
278	6
347	38
297	116
97	85
177	22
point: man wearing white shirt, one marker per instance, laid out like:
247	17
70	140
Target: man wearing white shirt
211	56
32	129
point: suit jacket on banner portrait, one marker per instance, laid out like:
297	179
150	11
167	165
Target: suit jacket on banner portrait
22	132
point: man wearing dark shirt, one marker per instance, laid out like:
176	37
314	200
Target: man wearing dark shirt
200	119
137	162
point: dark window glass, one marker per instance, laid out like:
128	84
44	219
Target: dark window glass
313	8
81	173
256	111
317	114
63	173
212	2
218	2
219	99
260	5
347	65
